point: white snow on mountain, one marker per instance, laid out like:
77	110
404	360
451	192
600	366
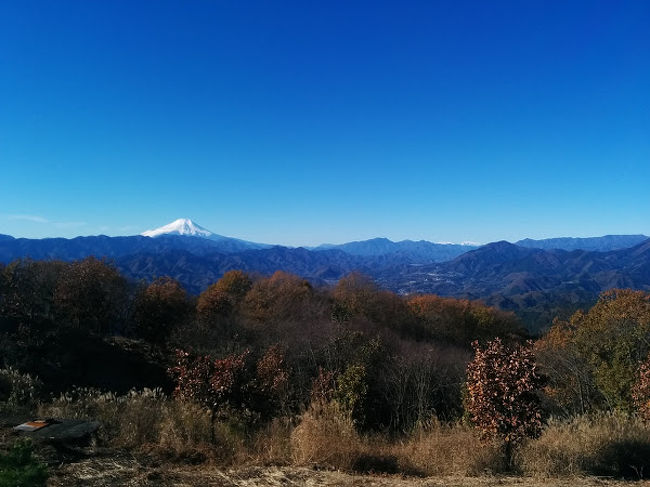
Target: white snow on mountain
182	226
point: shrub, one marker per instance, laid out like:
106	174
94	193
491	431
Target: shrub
234	386
351	392
503	400
19	468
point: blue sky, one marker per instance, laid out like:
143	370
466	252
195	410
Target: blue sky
309	122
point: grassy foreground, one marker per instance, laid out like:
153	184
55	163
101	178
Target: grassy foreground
130	472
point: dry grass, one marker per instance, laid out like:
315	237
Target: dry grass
129	421
149	421
439	450
326	436
128	472
185	431
272	444
612	444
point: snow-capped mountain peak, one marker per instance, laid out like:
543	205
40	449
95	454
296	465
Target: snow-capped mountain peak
182	226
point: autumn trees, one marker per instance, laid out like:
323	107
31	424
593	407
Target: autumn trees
91	294
27	291
461	321
593	358
158	308
223	297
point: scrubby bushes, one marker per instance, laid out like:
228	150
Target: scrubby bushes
149	421
58	322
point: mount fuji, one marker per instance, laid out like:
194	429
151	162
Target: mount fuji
184	227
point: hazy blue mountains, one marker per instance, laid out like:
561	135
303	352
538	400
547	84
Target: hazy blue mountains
600	244
415	251
534	282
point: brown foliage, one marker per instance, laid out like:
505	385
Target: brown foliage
233	384
272	372
641	390
223	297
323	387
354	292
235	284
357	296
461	321
209	382
280	297
503	385
213	303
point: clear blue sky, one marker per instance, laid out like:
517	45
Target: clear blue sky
308	122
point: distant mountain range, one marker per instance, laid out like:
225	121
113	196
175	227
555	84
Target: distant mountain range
536	283
421	250
535	278
600	244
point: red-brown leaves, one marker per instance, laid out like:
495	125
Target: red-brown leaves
235	380
503	384
272	373
641	391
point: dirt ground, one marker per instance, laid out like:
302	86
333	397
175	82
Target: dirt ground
130	472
